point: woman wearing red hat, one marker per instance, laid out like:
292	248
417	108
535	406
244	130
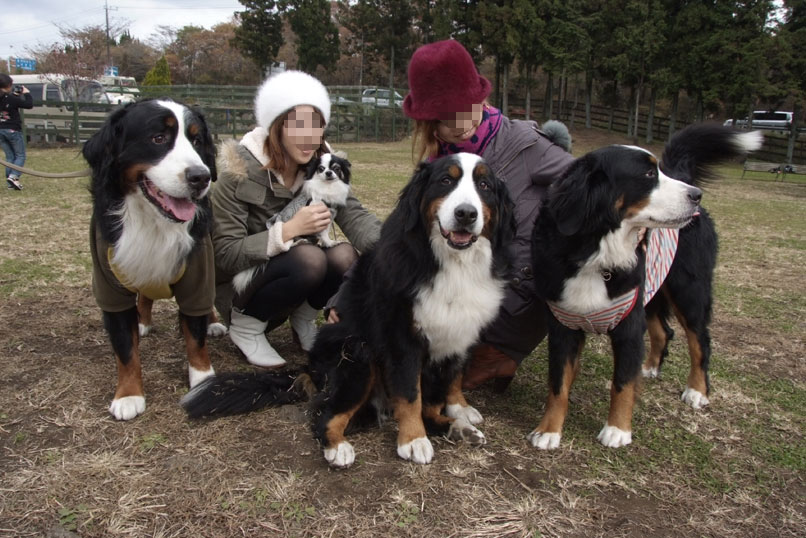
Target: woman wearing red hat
447	100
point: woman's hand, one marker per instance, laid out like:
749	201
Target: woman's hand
309	220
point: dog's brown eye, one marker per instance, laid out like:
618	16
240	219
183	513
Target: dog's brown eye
446	180
483	185
159	138
320	169
651	173
336	167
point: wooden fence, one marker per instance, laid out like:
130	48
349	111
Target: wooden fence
774	149
229	112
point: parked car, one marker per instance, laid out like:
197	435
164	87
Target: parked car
380	97
763	119
120	90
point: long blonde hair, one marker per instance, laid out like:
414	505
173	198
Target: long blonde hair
273	146
424	143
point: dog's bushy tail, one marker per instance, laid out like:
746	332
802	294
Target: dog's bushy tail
692	152
242	392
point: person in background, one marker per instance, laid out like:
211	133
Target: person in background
11	139
448	101
257	178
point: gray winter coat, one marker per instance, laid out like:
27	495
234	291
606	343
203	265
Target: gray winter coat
528	163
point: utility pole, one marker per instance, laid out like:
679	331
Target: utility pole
108	53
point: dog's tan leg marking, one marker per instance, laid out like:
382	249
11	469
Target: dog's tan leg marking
621	406
334	431
144	306
409	418
457	407
455	395
557	404
434	413
130	375
657	341
696	375
412	442
198	357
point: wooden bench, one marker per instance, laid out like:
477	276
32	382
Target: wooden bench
779	170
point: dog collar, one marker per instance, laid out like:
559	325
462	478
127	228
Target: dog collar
660	252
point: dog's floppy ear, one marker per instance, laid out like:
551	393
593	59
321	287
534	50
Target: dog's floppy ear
310	168
579	201
347	169
102	147
208	150
411	197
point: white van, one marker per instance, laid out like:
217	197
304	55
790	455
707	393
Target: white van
50	118
763	119
52	89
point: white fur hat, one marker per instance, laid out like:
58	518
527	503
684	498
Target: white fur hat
283	91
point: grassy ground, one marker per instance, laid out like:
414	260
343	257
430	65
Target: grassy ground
67	468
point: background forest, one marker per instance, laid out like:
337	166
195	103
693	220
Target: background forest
721	58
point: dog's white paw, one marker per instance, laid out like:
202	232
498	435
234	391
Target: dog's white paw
128	407
341	456
650	373
197	376
694	398
462	430
462	412
216	329
418	451
143	329
544	440
613	437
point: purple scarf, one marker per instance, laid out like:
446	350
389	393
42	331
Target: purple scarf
485	132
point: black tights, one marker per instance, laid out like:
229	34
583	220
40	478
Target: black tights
304	273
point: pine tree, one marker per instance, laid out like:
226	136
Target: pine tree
159	75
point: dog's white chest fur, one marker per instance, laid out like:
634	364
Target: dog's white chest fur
586	291
150	249
462	299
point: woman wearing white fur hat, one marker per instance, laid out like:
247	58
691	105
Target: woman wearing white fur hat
257	178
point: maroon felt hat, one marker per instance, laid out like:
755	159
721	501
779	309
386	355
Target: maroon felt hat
442	80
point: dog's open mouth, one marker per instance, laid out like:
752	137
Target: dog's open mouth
178	209
458	239
677	223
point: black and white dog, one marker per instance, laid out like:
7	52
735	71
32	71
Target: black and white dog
327	180
152	163
409	313
597	274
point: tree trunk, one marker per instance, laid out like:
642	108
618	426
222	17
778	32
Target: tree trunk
588	97
650	120
793	133
673	116
548	101
528	104
505	90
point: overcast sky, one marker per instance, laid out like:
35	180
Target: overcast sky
30	24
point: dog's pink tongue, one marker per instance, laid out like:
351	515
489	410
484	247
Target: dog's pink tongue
460	238
183	209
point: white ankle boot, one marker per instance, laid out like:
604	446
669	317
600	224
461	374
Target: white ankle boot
303	321
248	334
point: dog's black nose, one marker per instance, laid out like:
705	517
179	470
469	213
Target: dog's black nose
329	174
197	177
465	214
694	194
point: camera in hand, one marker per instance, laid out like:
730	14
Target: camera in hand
17	89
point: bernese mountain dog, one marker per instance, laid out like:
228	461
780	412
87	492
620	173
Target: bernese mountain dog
408	314
152	163
599	272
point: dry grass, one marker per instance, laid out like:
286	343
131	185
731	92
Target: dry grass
67	468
